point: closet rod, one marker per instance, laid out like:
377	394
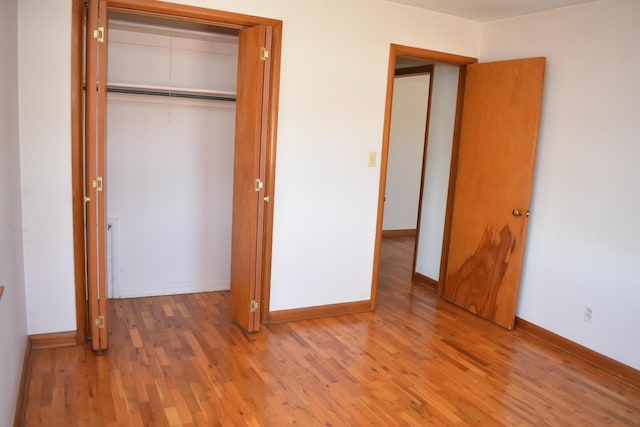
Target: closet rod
175	94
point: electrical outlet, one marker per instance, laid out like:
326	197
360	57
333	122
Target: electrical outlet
588	314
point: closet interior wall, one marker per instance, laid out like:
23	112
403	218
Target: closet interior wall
170	147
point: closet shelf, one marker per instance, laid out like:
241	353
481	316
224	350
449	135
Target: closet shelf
171	91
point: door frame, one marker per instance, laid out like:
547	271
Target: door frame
189	13
430	55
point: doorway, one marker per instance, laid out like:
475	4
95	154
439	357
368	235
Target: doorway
266	118
433	181
495	133
419	158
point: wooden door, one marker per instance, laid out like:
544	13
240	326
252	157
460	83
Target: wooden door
498	139
95	117
249	177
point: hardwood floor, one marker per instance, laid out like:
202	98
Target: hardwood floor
415	361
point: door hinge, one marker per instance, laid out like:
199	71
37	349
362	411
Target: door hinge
100	321
259	184
254	306
264	53
98	34
97	183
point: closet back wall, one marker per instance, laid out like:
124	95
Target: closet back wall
169	161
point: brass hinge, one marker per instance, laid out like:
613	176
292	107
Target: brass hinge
259	184
97	183
264	53
99	34
254	306
100	321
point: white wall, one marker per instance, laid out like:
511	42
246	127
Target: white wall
444	98
584	238
151	55
170	162
45	161
335	57
170	189
406	146
13	311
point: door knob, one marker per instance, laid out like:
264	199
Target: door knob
517	212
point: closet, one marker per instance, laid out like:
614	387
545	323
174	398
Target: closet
172	168
169	150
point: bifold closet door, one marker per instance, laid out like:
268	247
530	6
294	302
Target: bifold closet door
95	118
249	177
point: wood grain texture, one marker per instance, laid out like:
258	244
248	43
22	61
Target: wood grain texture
248	204
77	170
192	13
396	233
101	196
603	362
412	71
498	139
52	340
417	360
320	311
425	281
92	110
20	413
270	173
432	55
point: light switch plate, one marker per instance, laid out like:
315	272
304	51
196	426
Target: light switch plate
372	159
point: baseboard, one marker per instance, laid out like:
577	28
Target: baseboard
599	360
35	342
53	340
425	281
319	311
20	413
399	233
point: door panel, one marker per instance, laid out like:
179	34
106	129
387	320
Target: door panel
95	116
249	166
498	139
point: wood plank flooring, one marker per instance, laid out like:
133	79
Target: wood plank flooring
415	361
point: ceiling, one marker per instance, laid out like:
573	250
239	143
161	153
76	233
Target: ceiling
489	10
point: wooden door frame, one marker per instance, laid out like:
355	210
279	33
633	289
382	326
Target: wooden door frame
184	12
430	55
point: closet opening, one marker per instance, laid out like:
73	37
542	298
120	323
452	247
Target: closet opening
171	92
167	154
